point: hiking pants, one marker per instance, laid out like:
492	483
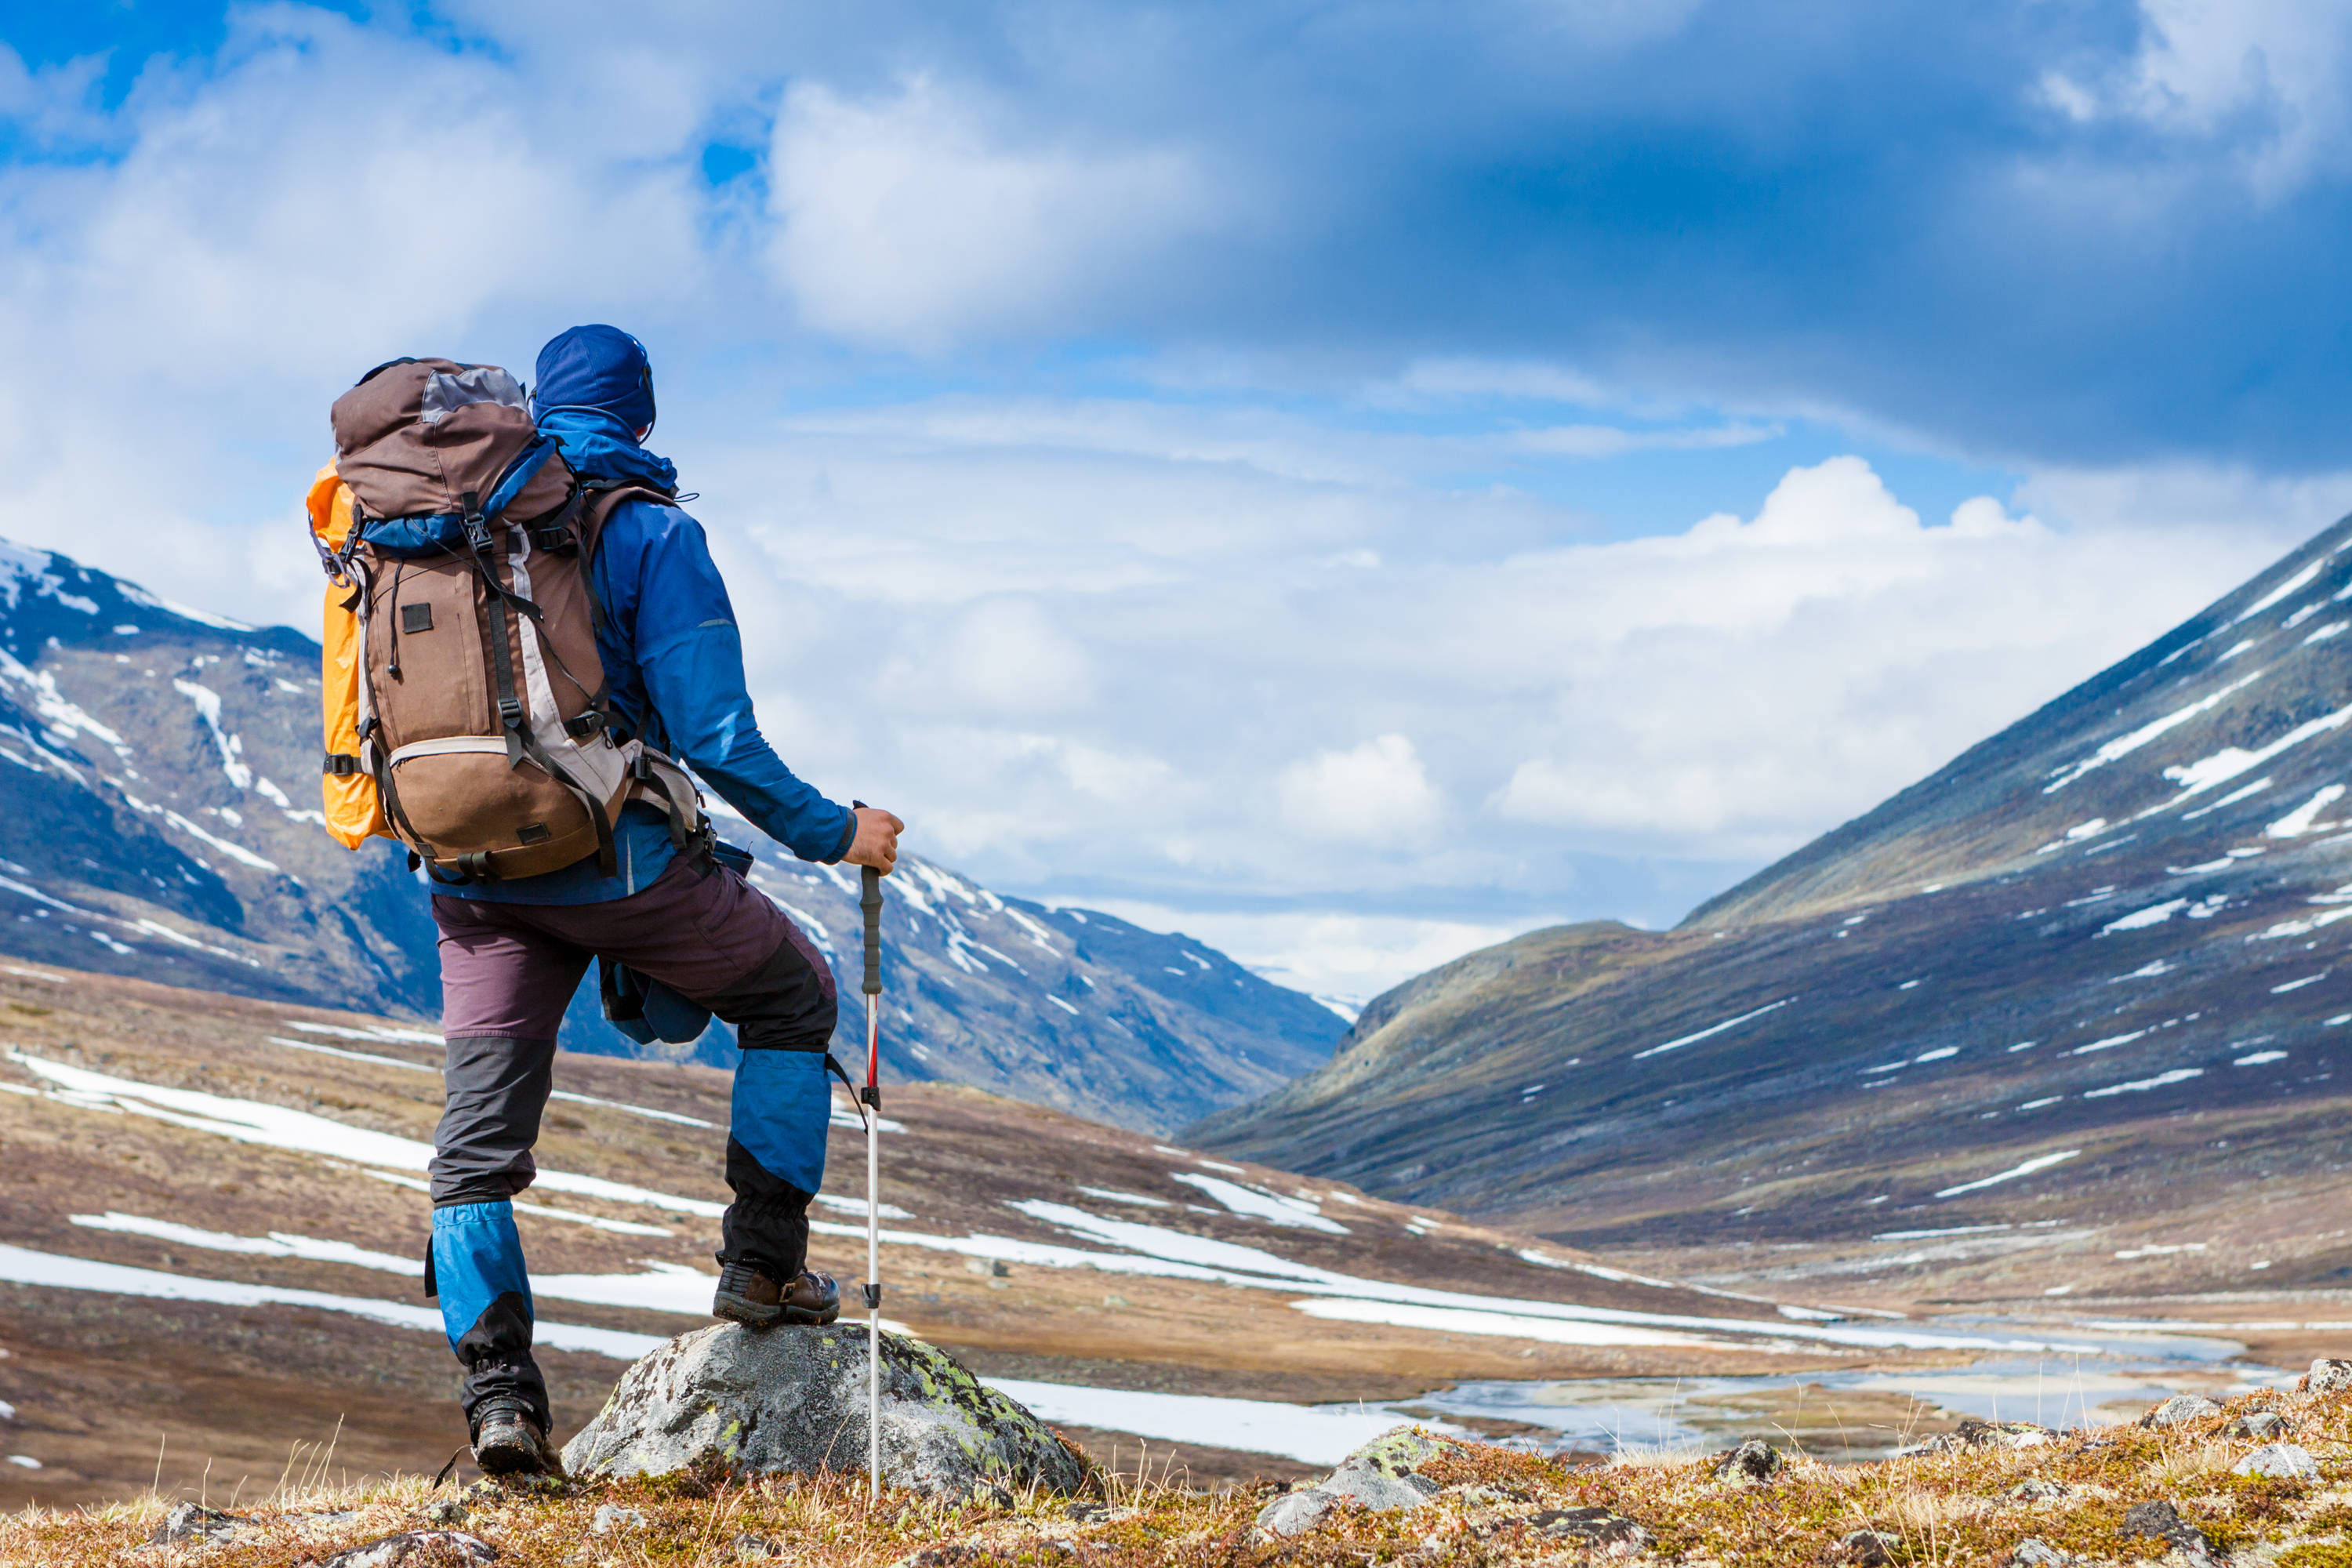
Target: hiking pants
508	973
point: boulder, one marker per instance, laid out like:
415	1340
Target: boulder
2035	1552
2279	1461
792	1400
2180	1407
2328	1376
1752	1464
1383	1476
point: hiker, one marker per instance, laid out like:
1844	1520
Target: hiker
619	575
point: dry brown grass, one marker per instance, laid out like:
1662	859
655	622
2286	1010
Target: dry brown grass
1945	1509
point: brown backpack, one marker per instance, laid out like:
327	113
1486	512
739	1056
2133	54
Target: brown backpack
482	703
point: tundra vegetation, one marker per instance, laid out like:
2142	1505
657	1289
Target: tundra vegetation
2189	1478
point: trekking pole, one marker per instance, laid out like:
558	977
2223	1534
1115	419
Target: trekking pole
870	901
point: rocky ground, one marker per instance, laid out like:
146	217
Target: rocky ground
2264	1479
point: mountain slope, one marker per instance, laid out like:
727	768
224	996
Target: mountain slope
157	819
2086	967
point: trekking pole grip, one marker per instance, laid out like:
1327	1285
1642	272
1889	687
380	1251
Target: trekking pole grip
869	901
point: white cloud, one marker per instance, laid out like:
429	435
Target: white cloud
2265	76
1377	794
915	218
1347	957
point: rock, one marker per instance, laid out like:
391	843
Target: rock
792	1400
2260	1425
2031	1553
2280	1461
417	1548
750	1548
444	1510
1381	1476
2033	1489
612	1517
1869	1548
1974	1432
1296	1512
2326	1376
1612	1534
2180	1407
1751	1464
192	1524
2159	1521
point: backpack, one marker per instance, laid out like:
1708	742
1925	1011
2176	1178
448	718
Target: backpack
469	695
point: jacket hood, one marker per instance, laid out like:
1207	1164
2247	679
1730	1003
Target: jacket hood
596	367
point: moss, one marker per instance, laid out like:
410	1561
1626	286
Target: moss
2317	1554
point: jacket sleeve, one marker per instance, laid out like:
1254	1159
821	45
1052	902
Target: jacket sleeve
691	657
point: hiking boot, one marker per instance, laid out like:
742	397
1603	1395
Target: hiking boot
750	1296
510	1441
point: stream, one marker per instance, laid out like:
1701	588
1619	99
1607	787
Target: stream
2078	1375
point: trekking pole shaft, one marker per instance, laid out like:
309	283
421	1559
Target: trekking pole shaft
869	904
873	1263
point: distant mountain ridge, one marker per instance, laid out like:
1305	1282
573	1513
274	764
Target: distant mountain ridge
2058	967
158	817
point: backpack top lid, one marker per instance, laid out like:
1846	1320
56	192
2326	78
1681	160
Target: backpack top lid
416	437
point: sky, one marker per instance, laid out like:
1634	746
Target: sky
1349	481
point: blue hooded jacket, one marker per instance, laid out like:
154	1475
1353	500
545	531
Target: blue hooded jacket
673	657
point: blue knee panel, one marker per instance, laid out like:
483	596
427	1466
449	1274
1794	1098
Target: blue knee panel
782	1103
477	1259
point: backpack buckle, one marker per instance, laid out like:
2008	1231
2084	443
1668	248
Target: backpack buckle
510	713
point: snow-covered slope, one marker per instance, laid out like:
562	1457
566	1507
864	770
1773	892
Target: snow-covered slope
159	817
2094	961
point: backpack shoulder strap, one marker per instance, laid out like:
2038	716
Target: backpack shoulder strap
599	505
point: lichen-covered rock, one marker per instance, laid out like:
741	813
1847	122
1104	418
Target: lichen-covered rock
2034	1552
191	1524
1610	1533
2257	1425
2159	1521
2033	1489
792	1399
2326	1376
1869	1548
1751	1464
1381	1476
2279	1461
1976	1432
2180	1407
417	1548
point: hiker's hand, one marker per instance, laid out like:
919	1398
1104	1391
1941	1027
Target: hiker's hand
877	843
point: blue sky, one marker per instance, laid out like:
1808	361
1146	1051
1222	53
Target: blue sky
1350	479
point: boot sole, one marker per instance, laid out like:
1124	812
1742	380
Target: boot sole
510	1459
751	1314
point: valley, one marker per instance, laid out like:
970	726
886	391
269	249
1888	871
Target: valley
2066	1019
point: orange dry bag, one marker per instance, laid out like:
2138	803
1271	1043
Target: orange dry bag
354	812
